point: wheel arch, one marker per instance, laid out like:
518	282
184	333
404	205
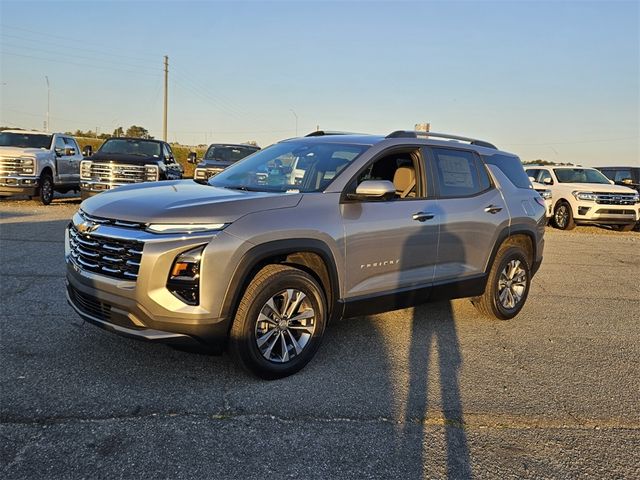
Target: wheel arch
311	255
515	235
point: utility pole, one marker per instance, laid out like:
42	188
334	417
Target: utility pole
48	103
166	97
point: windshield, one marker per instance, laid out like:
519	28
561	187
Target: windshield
123	146
580	175
228	154
25	140
289	166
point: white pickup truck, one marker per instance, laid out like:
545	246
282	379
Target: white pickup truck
38	164
582	195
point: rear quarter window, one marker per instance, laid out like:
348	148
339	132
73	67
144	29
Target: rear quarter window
511	167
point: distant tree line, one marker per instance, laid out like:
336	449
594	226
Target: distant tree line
134	131
545	162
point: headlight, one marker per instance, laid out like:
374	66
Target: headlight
85	169
546	194
27	161
200	173
184	228
584	195
151	173
184	277
636	198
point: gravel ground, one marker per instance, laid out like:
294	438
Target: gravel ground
431	392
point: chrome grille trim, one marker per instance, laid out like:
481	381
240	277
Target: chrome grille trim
12	166
606	198
116	172
107	256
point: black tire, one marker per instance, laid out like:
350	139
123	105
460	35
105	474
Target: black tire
563	216
624	228
490	303
270	285
46	189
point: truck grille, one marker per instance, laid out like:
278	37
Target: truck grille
116	173
615	198
107	256
88	304
11	166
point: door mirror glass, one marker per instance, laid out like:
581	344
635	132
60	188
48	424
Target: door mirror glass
69	151
374	190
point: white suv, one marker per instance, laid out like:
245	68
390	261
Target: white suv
585	196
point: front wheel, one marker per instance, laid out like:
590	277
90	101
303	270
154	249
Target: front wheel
279	323
46	189
563	216
507	286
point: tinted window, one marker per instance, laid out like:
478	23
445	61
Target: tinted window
580	175
228	153
24	140
460	173
621	175
533	173
511	167
122	146
545	175
60	145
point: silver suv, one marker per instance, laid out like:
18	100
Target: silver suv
308	230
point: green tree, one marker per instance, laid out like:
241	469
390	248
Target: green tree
118	132
138	132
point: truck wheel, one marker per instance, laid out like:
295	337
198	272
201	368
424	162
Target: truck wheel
279	323
46	188
507	286
563	217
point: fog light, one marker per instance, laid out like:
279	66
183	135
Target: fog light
184	277
583	210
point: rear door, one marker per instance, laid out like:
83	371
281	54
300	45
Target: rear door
64	165
472	212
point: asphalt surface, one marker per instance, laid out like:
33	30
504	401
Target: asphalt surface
431	392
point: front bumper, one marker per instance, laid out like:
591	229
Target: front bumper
18	185
144	308
590	212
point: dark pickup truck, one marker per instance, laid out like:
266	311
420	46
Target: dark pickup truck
123	161
627	176
218	157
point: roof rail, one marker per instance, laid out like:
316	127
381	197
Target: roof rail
416	134
320	133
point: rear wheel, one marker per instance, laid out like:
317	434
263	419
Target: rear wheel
46	189
279	323
563	216
507	286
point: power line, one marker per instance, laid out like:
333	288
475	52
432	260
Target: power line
597	140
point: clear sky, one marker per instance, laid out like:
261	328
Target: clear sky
552	80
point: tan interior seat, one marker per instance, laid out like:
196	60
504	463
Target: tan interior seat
405	181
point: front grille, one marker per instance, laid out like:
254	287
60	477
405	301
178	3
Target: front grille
615	198
213	171
606	211
107	256
116	173
89	305
11	166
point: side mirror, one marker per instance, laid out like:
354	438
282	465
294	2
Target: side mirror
547	181
373	190
627	181
191	158
69	151
531	179
87	151
612	182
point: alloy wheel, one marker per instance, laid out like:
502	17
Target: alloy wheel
512	284
284	326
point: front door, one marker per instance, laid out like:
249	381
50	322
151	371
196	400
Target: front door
391	245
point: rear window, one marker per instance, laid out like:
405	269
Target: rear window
511	167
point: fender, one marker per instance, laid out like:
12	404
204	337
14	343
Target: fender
254	258
506	232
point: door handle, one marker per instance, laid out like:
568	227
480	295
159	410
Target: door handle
492	209
422	216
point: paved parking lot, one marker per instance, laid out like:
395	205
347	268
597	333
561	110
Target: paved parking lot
429	392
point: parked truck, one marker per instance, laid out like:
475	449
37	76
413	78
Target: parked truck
38	164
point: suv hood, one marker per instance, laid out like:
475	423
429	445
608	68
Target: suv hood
183	201
597	187
122	158
17	151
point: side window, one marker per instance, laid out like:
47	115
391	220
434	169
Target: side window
533	173
60	145
71	143
545	177
460	173
400	168
621	175
166	150
511	166
610	174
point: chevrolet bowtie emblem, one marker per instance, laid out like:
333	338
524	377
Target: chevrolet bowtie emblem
86	226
